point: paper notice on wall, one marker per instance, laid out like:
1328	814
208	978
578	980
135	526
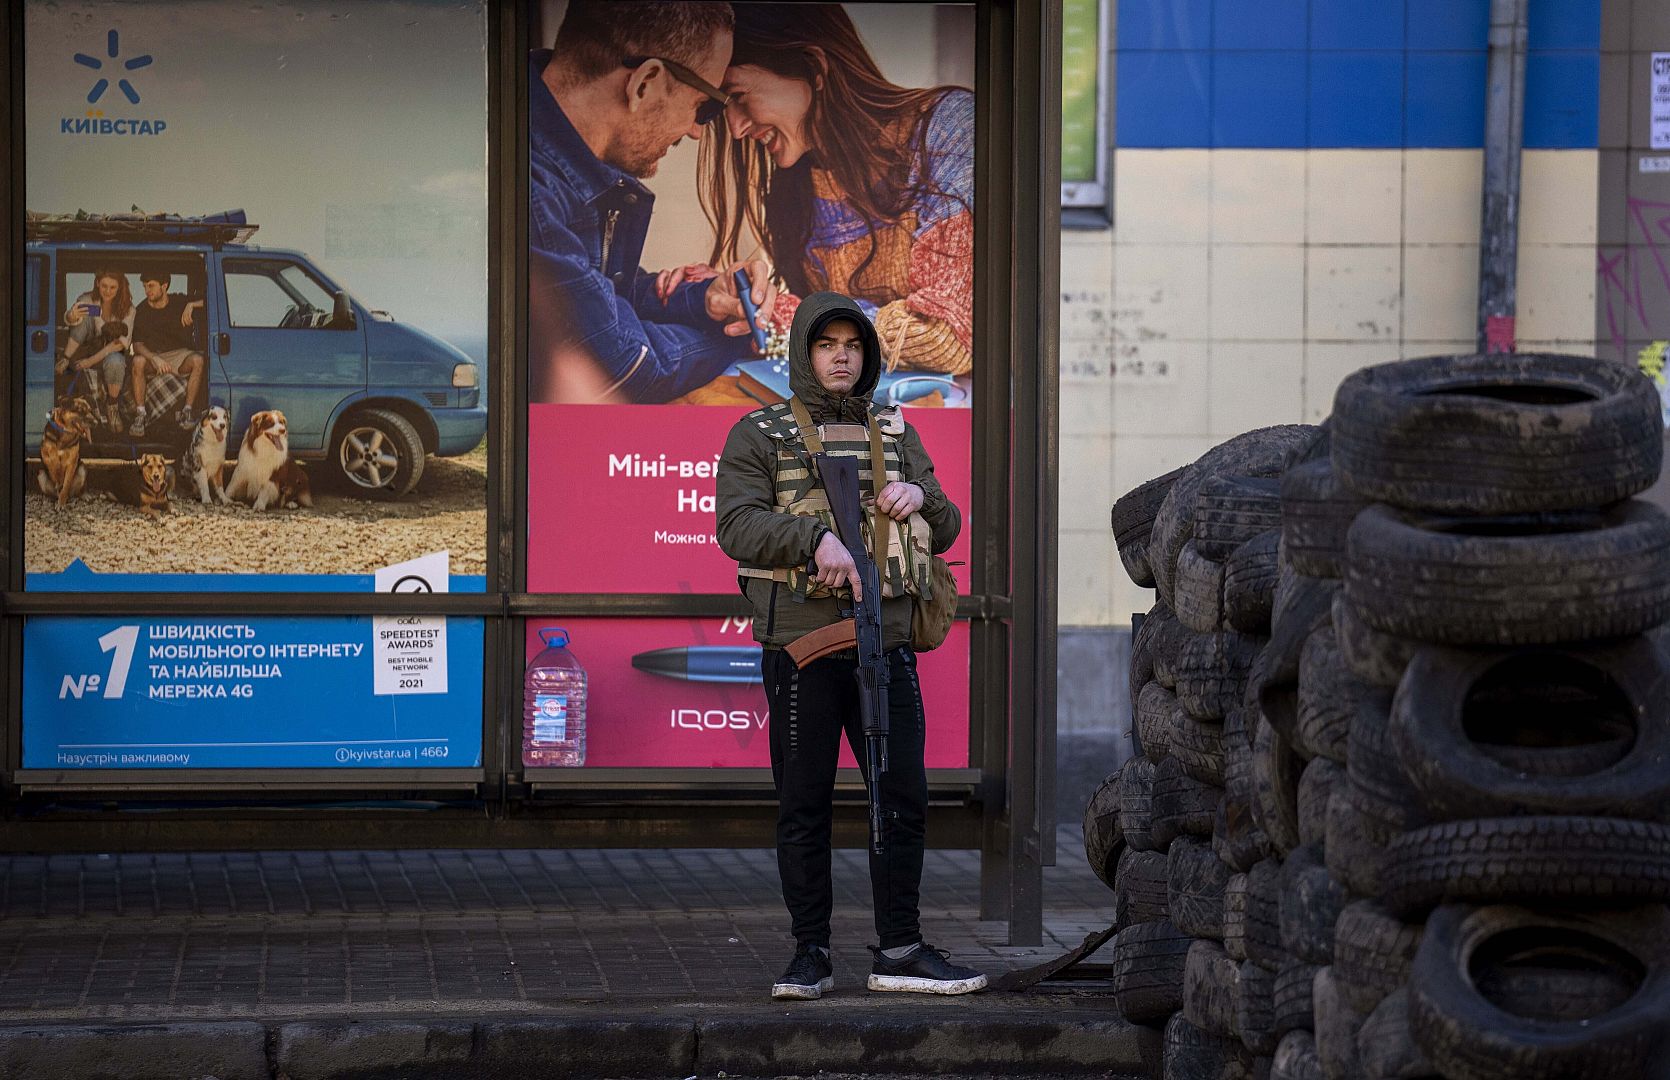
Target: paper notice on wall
1661	102
409	651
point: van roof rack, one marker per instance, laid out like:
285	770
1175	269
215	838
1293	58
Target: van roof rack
225	227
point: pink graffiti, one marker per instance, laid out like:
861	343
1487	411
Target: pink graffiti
1621	275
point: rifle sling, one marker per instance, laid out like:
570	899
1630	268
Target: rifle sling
882	525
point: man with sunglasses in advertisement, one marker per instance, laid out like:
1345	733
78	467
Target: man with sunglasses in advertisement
625	81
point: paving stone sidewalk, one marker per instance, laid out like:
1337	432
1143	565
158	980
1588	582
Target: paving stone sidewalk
388	933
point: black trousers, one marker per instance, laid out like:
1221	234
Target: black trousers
809	710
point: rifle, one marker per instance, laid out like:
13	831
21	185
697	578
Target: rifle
840	483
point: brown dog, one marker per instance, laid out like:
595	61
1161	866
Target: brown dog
156	477
293	487
62	474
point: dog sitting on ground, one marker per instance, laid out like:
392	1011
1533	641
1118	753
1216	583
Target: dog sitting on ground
293	487
155	480
200	468
62	475
264	451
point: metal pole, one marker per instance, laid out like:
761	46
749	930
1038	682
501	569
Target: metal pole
1503	137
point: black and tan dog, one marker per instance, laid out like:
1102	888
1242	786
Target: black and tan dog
63	476
156	480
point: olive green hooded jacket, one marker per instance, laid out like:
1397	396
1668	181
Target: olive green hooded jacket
750	530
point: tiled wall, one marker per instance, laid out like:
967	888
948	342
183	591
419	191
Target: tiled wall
1296	194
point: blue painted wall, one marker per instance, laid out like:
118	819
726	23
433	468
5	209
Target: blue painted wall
1297	74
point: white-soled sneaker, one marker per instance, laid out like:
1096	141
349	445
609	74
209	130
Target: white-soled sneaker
808	975
926	970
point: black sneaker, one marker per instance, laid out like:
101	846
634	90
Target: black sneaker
809	974
927	970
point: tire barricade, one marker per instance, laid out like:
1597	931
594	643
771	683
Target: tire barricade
1403	720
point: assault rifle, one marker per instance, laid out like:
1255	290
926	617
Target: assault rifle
840	483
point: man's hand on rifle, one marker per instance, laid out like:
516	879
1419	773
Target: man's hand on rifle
899	500
835	566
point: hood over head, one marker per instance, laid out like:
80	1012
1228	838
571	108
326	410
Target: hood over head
814	313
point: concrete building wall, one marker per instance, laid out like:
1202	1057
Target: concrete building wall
1295	194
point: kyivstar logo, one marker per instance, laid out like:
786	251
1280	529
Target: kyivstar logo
95	122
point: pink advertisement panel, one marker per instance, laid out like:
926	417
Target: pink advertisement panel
621	496
649	699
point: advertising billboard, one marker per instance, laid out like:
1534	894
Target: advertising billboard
255	360
682	204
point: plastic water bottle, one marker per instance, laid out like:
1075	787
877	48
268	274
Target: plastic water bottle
554	705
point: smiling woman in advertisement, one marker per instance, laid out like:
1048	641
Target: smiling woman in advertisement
854	184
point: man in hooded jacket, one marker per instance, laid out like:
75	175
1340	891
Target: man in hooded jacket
773	519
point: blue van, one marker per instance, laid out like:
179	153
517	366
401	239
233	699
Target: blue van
366	397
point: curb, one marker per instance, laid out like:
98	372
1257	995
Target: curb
1073	1040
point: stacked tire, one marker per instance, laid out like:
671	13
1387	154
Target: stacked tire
1503	834
1410	661
1179	959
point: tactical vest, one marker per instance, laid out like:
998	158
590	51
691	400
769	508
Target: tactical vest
909	545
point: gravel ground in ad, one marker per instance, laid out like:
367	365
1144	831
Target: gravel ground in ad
338	535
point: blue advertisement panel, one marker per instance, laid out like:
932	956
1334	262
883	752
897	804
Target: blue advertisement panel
228	692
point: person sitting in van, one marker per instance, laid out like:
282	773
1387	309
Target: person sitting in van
162	346
108	301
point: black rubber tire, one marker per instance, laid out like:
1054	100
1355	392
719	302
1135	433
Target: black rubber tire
1372	761
1292	997
403	443
1273	682
1143	648
1250	584
1195	882
1275	776
1103	842
1142	652
1164	646
1263	934
1511	581
1211	989
1199	591
1612	698
1198	745
1212	671
1371	657
1182	806
1467	1036
1136	804
1327	697
1238	841
1192	1054
1296	1058
1310	904
1316	788
1133	519
1497	434
1360	825
1316	513
1230	510
1255	1013
1235	916
1574	859
1386	1048
1374	952
1155	706
1147	962
1139	889
1335	1028
1263	452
